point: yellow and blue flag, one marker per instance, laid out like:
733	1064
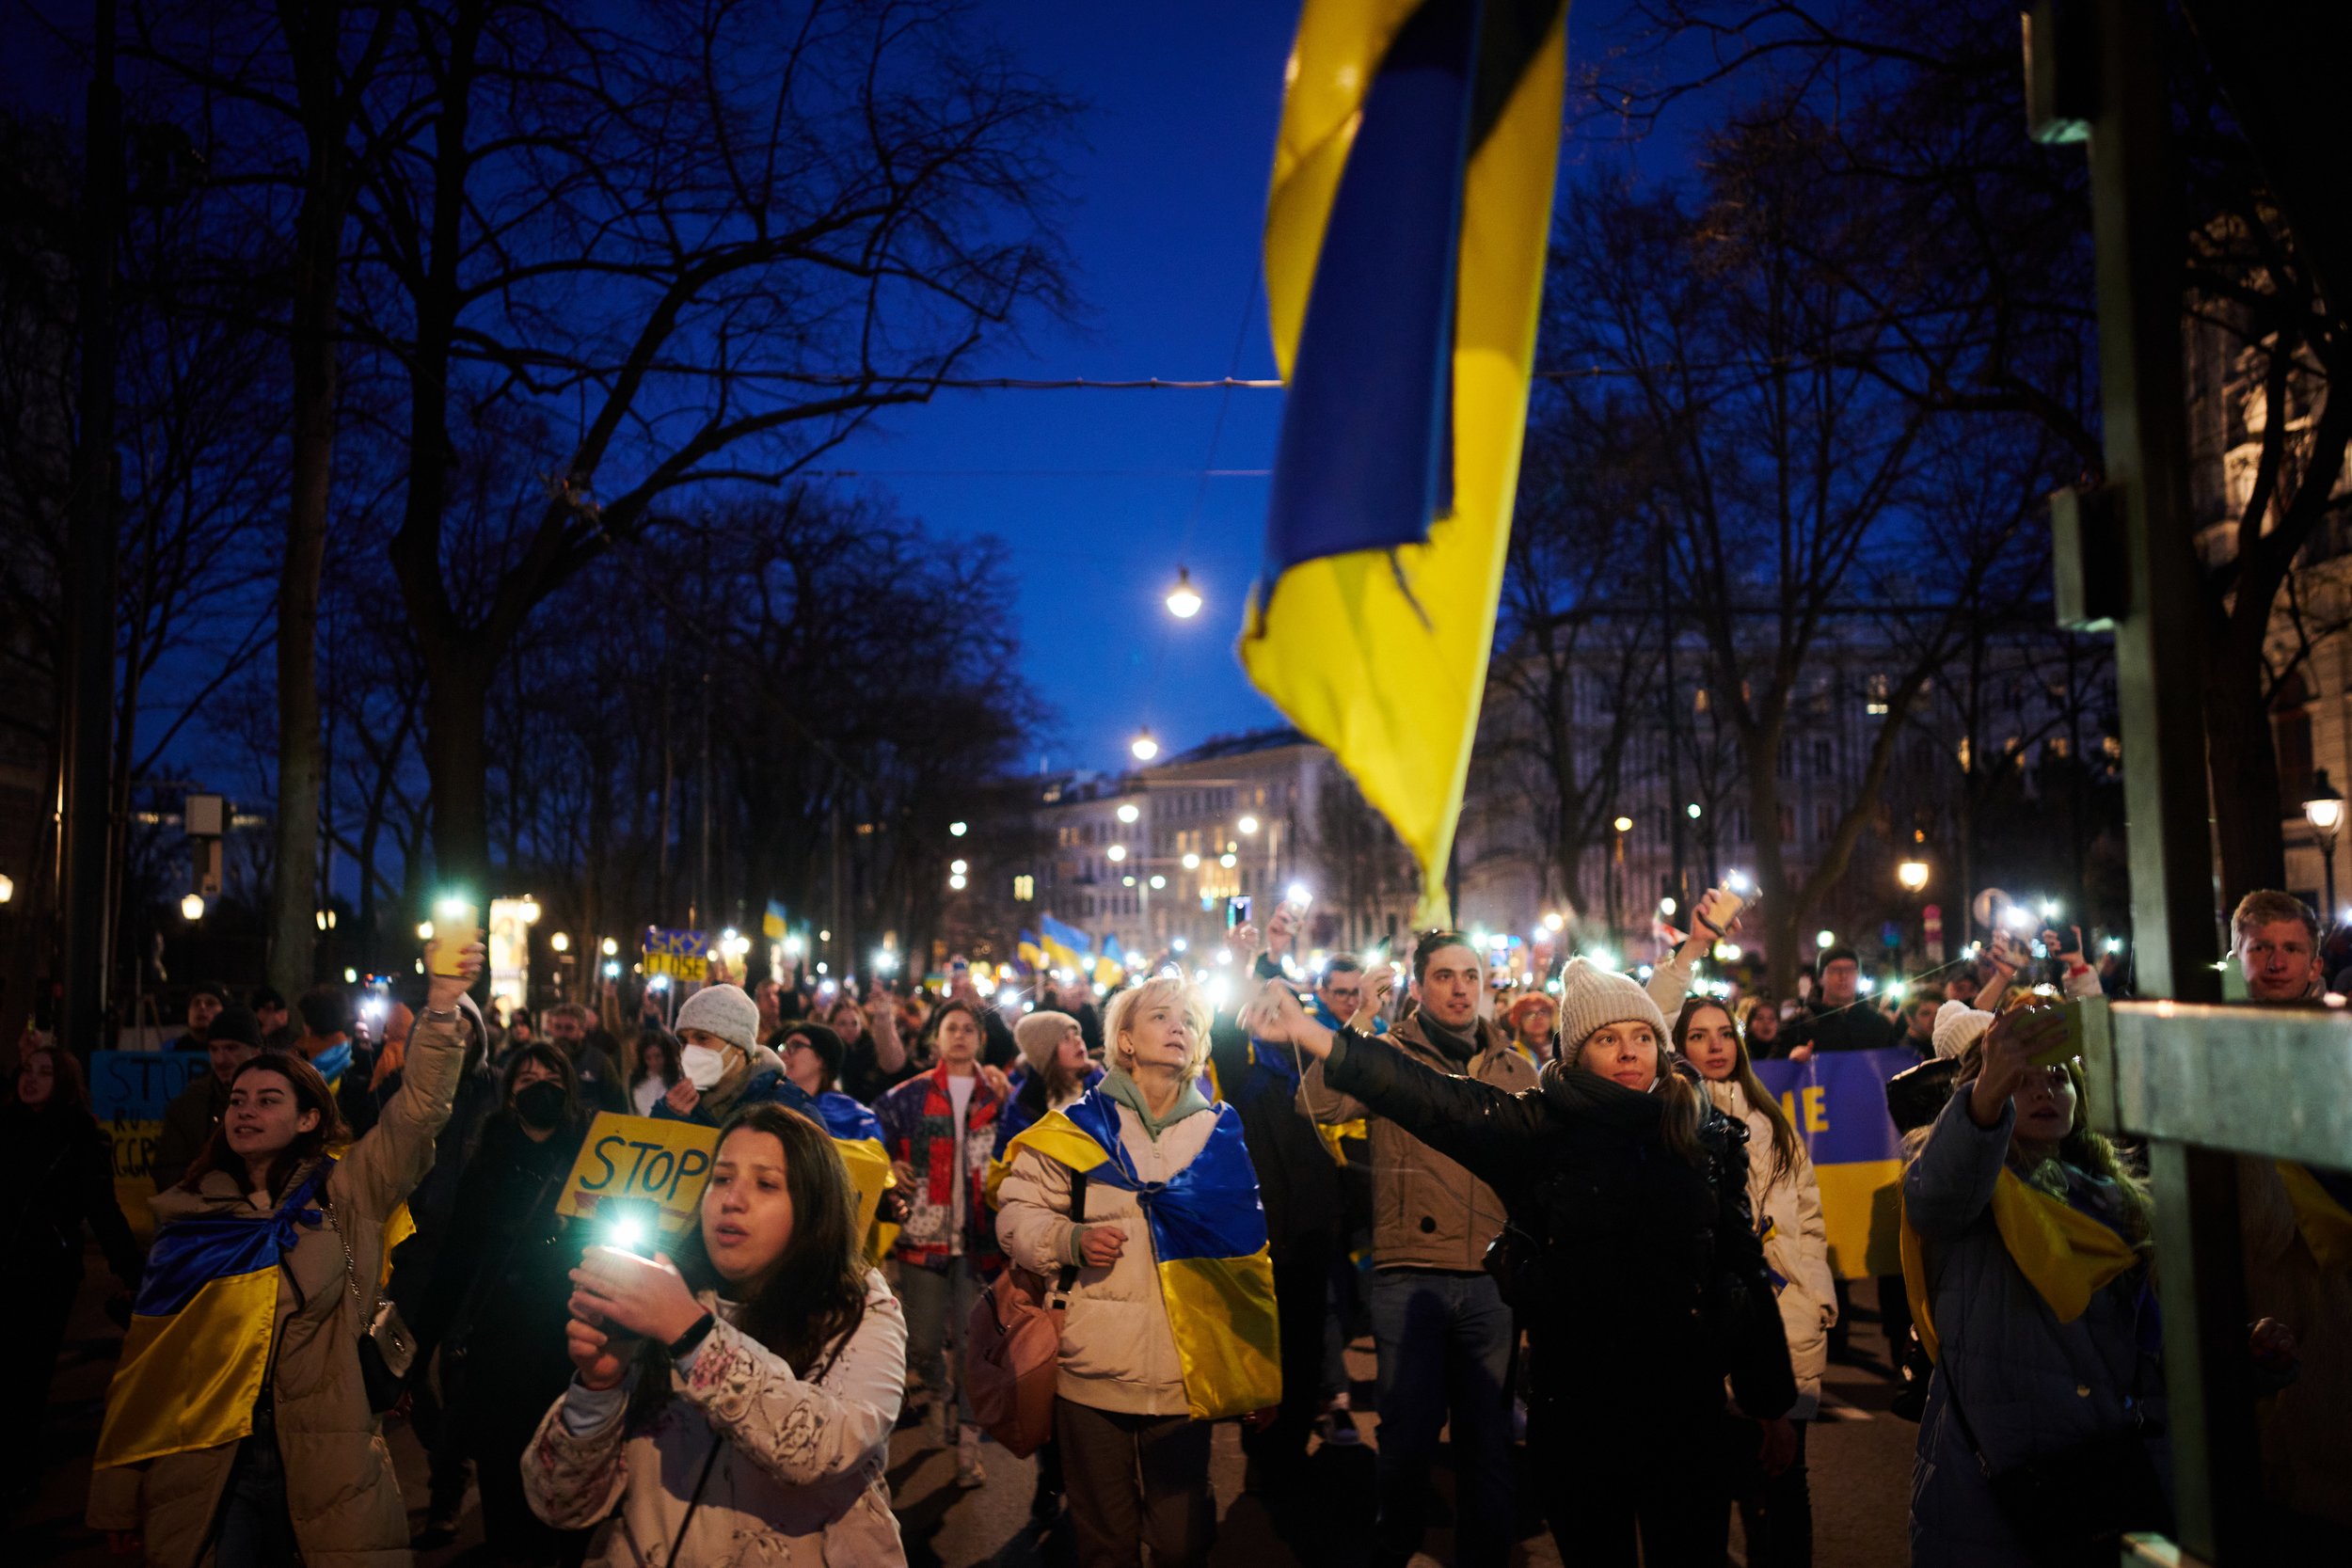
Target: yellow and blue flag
1067	945
1208	1241
198	1347
771	922
1032	952
1405	264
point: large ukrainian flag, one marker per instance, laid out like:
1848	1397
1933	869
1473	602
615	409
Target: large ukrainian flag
1405	262
198	1346
1208	1239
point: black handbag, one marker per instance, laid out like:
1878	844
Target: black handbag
386	1386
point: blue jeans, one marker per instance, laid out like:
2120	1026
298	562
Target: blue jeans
256	1530
1445	1343
938	1307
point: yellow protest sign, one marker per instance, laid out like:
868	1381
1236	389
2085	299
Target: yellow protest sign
666	1163
679	955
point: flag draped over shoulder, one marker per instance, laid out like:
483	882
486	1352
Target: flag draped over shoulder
1405	260
857	1137
1208	1243
198	1346
2066	1254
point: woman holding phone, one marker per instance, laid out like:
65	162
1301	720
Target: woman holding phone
745	1393
239	1425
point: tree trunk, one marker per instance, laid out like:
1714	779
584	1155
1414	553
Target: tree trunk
456	763
318	238
2244	763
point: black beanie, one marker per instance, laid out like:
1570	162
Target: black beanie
235	1025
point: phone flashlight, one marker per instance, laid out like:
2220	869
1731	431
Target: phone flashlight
628	1225
612	971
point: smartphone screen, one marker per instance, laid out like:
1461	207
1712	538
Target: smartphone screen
1236	910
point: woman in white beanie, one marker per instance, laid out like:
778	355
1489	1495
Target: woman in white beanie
1776	1514
1630	1256
720	1055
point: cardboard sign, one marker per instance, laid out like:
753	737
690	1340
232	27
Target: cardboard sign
1837	1104
666	1163
128	1091
679	955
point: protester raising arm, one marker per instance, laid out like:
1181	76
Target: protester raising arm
882	1021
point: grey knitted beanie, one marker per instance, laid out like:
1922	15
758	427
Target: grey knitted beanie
724	1011
1592	998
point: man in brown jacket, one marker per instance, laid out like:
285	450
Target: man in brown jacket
1443	1333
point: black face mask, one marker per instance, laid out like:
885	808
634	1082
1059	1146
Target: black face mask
540	1104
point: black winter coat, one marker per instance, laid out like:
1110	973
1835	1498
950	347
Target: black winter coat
1642	1281
502	1277
1298	1182
60	1176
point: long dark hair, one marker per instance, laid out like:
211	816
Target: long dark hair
1784	1145
554	1061
660	1040
813	1296
311	1094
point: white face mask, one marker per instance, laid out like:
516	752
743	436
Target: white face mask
702	1065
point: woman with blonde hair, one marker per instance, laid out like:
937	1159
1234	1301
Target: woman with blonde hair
1131	1422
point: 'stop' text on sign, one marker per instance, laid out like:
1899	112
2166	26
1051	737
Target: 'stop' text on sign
659	1162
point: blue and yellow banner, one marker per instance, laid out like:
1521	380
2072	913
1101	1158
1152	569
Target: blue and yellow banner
1837	1104
198	1346
1405	245
1208	1241
1065	945
127	1093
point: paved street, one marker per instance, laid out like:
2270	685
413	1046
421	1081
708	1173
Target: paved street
1860	1460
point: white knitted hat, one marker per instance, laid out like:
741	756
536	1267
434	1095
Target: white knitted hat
1592	998
1958	1026
722	1010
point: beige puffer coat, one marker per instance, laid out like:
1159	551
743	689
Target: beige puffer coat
1117	1351
1788	1210
795	1469
1427	1213
340	1491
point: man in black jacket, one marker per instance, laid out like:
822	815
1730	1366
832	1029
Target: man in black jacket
1837	1019
232	1038
1298	1182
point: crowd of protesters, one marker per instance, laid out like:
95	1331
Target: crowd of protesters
1570	1216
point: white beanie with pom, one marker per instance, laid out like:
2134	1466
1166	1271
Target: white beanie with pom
1958	1026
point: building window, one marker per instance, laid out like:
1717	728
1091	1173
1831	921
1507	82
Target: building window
1880	689
1824	822
1025	889
1821	756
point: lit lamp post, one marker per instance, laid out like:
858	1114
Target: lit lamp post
2323	808
1913	877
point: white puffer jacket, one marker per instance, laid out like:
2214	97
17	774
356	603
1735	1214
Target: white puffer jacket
1788	1208
1118	1351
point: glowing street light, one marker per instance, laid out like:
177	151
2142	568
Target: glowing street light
958	867
1555	921
1143	748
561	942
1192	862
1228	860
1129	812
1693	809
1623	824
956	882
957	829
1247	824
1912	874
530	910
424	930
1158	882
612	947
192	907
1184	600
1116	853
1825	938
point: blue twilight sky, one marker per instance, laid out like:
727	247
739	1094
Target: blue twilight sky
1099	493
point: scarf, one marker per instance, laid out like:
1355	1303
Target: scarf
198	1346
1208	1235
1127	1092
2066	1254
1458	1049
